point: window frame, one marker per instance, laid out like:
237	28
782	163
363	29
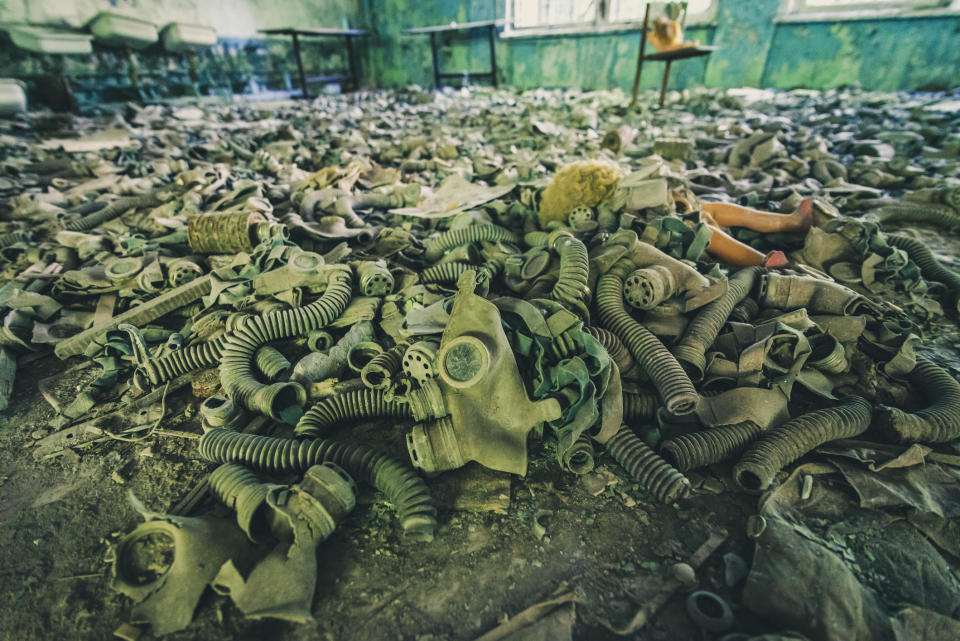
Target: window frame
599	24
800	11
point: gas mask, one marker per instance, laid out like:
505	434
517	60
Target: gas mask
478	404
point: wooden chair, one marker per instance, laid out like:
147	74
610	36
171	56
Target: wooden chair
665	56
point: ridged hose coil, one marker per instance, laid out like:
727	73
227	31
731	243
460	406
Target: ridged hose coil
434	248
177	363
13	237
938	422
930	267
705	327
614	346
647	467
113	210
383	368
280	401
444	272
940	215
642	405
706	447
673	384
353	406
580	458
240	490
784	444
398	481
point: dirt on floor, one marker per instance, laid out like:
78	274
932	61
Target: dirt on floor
601	535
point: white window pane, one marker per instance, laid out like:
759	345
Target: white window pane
632	10
623	10
533	13
568	11
840	3
526	13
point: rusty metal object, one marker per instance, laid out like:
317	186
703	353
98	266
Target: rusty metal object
226	233
616	140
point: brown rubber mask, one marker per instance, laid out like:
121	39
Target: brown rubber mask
490	413
282	584
166	563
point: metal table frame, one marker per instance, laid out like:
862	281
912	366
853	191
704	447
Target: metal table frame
347	34
489	25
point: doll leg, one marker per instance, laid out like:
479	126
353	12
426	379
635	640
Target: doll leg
729	215
730	251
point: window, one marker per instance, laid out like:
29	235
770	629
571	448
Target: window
858	8
540	13
531	14
632	10
844	3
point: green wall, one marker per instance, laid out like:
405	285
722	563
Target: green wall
914	53
595	61
591	61
744	32
886	54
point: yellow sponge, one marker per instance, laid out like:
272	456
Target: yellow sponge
584	183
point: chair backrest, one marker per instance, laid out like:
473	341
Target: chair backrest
672	10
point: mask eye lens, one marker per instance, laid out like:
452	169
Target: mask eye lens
464	361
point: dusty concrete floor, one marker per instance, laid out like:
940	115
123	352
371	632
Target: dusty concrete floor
604	536
56	518
615	548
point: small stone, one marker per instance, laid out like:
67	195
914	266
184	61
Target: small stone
205	383
685	574
596	482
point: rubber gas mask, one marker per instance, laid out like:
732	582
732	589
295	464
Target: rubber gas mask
488	412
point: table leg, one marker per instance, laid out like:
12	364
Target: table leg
636	80
303	75
436	62
643	48
133	71
193	72
351	59
666	79
68	92
493	55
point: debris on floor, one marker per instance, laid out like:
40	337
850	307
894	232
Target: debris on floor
429	307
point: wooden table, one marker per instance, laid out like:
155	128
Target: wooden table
347	34
489	25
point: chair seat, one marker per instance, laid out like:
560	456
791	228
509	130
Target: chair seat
680	54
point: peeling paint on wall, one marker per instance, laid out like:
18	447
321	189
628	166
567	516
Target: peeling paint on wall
754	51
744	34
884	55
